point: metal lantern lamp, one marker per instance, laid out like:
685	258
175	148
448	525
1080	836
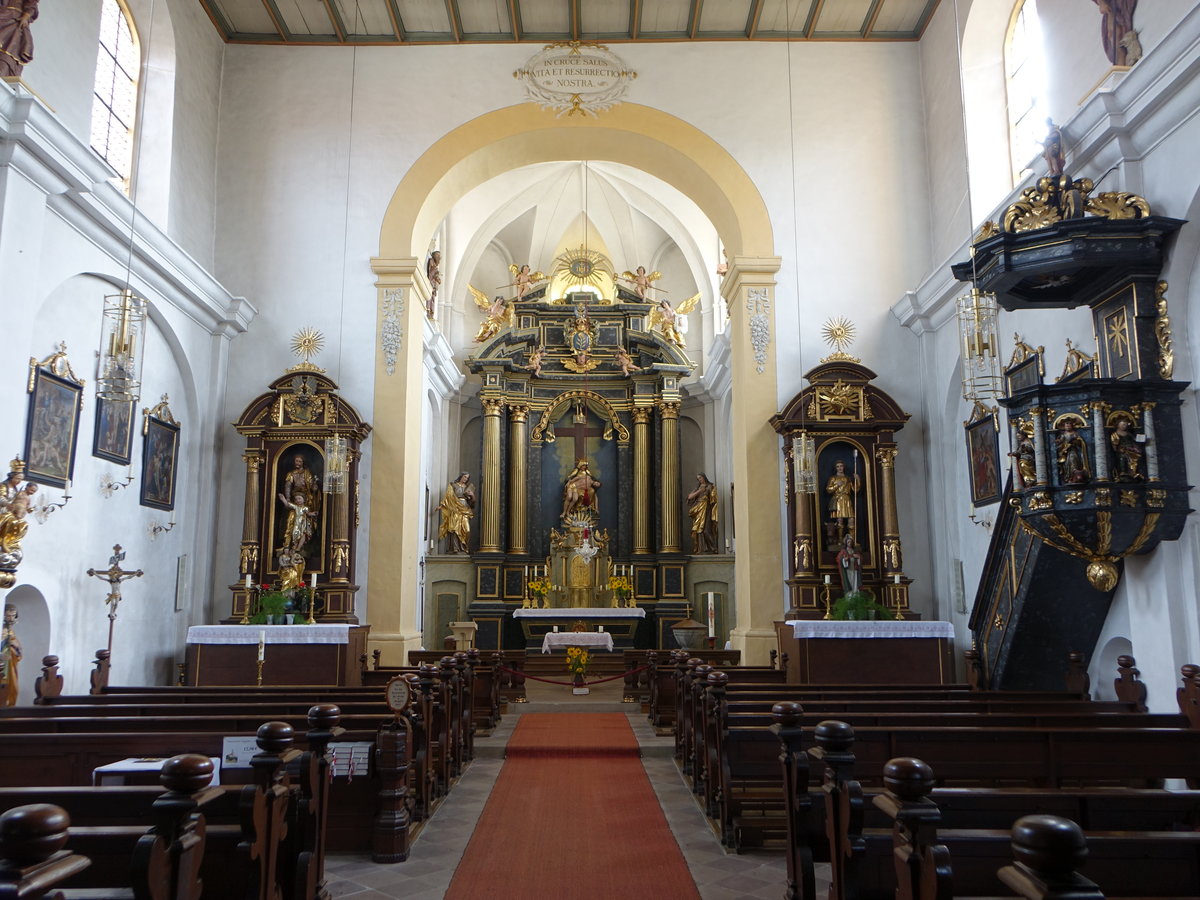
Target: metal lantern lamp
978	313
122	346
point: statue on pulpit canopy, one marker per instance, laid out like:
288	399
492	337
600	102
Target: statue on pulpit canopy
16	42
579	491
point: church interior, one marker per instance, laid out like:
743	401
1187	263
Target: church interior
771	384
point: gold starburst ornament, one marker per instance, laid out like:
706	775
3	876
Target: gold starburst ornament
307	343
839	334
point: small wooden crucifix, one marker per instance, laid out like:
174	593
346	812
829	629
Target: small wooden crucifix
114	575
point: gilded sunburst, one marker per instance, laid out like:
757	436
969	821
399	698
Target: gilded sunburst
580	267
307	343
839	334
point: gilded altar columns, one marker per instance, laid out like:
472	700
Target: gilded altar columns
489	502
893	559
397	490
641	479
669	533
517	424
250	516
749	289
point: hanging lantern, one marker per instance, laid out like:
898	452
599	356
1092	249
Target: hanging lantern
804	463
337	464
122	342
978	312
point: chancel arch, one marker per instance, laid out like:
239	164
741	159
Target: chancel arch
645	139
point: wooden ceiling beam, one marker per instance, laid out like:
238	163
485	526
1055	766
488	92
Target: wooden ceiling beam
397	22
752	19
635	18
339	28
576	16
694	24
814	14
455	20
218	21
869	22
276	19
514	20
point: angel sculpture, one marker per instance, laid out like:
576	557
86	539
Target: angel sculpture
524	280
499	314
641	281
534	365
626	363
663	317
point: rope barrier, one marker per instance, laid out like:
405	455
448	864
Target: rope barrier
571	683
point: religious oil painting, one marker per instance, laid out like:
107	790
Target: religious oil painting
52	427
1024	374
113	439
983	455
160	452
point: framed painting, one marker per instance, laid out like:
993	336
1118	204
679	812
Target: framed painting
53	423
160	457
983	455
113	438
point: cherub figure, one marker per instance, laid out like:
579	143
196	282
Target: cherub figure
534	364
499	314
664	318
625	361
641	281
524	279
12	519
300	523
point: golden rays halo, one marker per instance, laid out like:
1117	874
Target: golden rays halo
581	268
839	334
307	343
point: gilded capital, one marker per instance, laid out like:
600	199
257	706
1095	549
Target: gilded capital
642	414
669	409
886	456
519	413
253	461
492	406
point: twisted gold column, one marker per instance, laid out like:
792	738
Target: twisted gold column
893	562
641	480
669	409
489	529
518	416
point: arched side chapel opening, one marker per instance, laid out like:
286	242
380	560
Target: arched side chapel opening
663	146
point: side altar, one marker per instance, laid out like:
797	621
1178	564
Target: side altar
580	506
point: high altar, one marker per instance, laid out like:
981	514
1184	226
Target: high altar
580	475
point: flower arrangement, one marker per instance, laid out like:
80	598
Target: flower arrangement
859	605
577	661
272	602
539	587
620	586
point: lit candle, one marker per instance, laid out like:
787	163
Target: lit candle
247	581
262	640
67	489
312	581
712	616
828	580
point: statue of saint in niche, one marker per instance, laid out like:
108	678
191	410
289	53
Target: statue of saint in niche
579	491
841	489
456	508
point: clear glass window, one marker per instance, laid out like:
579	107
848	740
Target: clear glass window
114	98
1025	84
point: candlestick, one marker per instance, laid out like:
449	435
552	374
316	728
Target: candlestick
828	580
312	581
262	648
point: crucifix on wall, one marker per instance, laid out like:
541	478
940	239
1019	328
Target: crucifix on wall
114	575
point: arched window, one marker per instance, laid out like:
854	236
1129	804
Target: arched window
114	98
1025	81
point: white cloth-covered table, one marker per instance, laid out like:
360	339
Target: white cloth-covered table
271	634
598	612
874	628
591	639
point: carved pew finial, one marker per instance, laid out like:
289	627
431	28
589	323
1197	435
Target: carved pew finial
1078	680
918	858
32	861
843	796
801	873
1046	852
1128	684
49	684
1188	696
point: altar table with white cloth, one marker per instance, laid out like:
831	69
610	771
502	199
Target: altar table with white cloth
590	639
321	655
620	623
825	651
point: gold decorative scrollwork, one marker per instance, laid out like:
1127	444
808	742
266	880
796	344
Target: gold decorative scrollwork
669	409
840	401
1073	497
1118	205
998	621
492	406
1103	497
1040	500
1156	498
1162	331
986	230
605	410
891	554
253	461
57	364
1129	498
802	554
249	560
518	412
886	456
341	557
1148	525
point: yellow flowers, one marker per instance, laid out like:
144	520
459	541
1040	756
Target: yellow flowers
577	659
620	584
539	587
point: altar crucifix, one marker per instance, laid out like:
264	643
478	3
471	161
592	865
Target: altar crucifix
114	575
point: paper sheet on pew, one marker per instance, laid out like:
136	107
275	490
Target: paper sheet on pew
351	759
139	770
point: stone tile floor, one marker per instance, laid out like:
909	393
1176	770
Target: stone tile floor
426	874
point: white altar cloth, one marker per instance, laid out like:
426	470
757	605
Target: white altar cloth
556	639
271	634
585	612
873	628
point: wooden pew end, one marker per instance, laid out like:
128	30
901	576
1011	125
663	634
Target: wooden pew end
1047	850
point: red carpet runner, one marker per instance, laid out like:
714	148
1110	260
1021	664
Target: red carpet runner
572	815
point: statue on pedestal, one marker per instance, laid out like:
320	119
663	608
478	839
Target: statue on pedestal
16	42
849	563
841	489
702	507
579	491
10	656
456	508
